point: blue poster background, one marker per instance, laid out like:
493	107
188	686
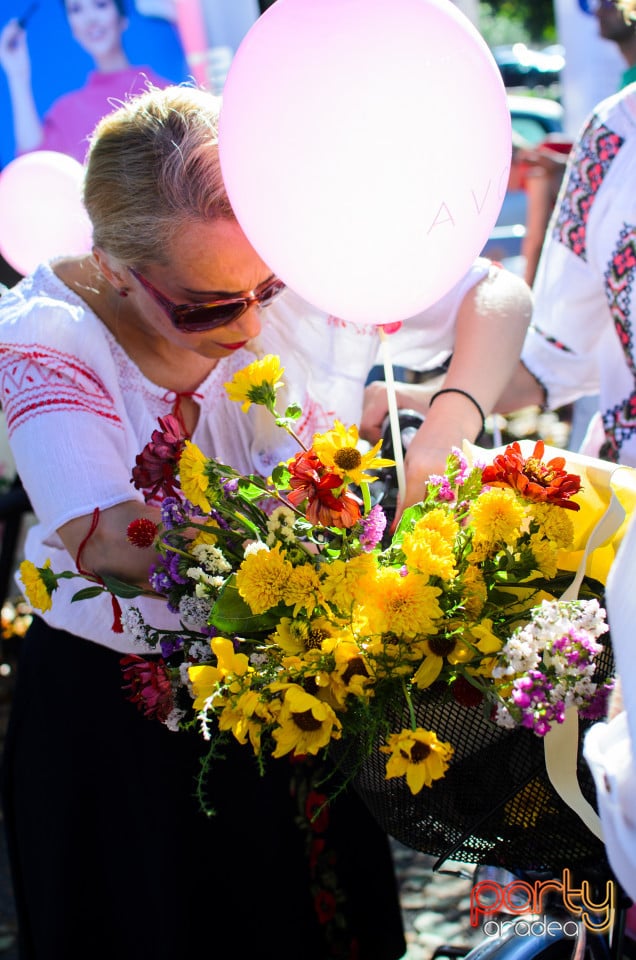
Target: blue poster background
59	64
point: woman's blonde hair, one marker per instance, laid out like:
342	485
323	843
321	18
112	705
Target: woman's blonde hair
152	169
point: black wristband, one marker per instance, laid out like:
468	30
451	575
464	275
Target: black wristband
468	396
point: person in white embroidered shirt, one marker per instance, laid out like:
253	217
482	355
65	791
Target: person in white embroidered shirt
581	341
98	801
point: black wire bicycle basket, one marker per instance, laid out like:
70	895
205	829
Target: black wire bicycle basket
496	804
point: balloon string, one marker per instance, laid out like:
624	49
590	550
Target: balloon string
394	419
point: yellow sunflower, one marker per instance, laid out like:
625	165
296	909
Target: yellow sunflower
305	724
436	650
247	717
338	451
204	680
194	482
418	755
256	383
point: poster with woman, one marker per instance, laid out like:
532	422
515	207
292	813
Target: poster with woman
64	62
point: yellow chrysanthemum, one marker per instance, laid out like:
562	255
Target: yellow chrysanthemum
419	755
475	591
305	724
256	383
342	581
430	551
302	590
403	605
545	553
38	586
194	482
262	579
338	451
556	523
497	517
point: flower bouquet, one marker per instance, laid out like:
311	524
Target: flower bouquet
418	661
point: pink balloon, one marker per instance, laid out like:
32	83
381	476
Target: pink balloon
365	146
42	211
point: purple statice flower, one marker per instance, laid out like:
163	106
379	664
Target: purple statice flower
230	486
173	513
170	645
596	709
373	527
159	579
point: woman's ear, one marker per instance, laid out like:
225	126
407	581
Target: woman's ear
114	271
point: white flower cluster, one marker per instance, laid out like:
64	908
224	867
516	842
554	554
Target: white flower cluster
551	663
280	526
194	613
134	626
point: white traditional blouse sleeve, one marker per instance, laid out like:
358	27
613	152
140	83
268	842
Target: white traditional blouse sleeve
582	338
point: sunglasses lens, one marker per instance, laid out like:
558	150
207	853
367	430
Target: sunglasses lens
271	292
209	317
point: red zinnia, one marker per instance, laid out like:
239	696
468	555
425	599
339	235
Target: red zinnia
532	477
156	466
149	686
311	481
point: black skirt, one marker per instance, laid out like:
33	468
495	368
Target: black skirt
112	856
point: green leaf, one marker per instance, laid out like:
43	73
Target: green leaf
232	615
280	475
87	593
408	518
293	411
122	589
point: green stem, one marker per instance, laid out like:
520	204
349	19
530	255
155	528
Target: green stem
366	498
409	701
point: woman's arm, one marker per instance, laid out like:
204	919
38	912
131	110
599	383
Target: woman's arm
491	326
15	60
107	550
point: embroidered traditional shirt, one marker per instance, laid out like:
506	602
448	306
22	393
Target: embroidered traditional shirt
582	336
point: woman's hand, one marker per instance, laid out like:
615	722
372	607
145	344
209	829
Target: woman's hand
14	53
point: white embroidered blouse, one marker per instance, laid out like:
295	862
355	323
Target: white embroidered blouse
79	411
